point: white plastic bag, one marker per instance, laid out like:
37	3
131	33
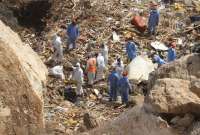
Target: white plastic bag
159	46
57	71
139	69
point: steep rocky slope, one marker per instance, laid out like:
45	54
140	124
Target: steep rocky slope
22	82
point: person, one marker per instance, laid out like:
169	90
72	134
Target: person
171	52
113	82
131	50
91	69
78	77
158	60
153	18
124	87
104	51
58	49
100	67
119	65
73	33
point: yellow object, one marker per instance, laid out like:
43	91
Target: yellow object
128	34
178	7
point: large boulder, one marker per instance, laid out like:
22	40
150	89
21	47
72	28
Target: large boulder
134	122
174	88
22	81
185	68
173	96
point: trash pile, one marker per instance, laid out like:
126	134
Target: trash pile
109	22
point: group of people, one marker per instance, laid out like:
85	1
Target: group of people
95	69
97	62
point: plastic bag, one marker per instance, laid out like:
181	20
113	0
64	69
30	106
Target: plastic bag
57	71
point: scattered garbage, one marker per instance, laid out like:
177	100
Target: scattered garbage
115	37
61	109
159	46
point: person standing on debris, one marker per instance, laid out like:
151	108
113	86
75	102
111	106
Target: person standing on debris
104	51
113	82
73	33
91	69
153	18
119	66
78	77
172	52
100	67
158	60
124	87
131	50
58	49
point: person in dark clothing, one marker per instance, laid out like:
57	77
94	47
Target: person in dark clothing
124	87
153	19
73	33
113	82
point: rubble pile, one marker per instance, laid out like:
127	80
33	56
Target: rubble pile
107	21
102	21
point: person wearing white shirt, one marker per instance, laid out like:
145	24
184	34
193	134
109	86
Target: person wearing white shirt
100	67
58	48
78	77
104	51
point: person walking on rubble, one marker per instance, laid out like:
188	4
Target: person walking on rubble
91	69
153	18
124	87
78	77
58	49
100	67
113	81
171	52
73	33
131	50
104	51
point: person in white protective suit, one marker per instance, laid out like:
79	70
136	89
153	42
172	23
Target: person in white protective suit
100	67
58	49
78	77
104	51
119	65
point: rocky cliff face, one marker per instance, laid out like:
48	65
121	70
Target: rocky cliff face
22	81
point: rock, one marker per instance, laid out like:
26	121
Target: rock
195	87
172	96
175	120
185	122
174	88
53	126
22	82
134	122
136	100
194	129
184	68
89	121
